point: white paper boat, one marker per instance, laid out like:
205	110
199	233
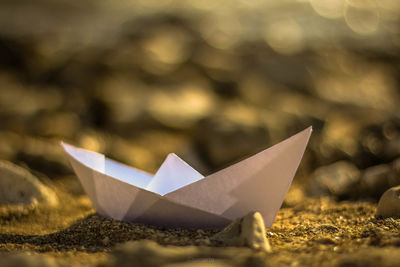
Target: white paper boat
179	196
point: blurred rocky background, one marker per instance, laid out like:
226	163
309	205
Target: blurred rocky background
213	81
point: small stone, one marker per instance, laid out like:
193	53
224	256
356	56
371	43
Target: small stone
325	241
23	259
247	231
371	256
328	228
21	191
237	125
183	106
148	253
106	241
389	204
376	180
396	167
43	155
337	179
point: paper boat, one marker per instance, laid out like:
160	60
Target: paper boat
179	196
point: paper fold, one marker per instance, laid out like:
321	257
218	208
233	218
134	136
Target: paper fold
173	174
179	196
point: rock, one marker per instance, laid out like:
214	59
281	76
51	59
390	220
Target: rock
23	259
234	133
367	139
372	256
123	99
166	47
339	136
9	143
389	204
247	231
325	241
20	191
328	228
337	179
148	253
40	154
380	142
372	85
396	166
180	107
105	241
43	155
294	196
56	124
376	180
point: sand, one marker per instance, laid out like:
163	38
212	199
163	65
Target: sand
313	231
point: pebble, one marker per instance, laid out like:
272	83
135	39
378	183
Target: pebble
325	241
247	231
240	126
328	228
386	257
105	241
389	204
183	106
23	259
337	179
21	191
396	166
148	253
40	154
43	155
376	180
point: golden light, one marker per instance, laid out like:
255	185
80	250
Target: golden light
285	36
328	8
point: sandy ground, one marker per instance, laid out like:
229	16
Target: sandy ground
317	232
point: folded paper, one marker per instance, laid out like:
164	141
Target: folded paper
179	196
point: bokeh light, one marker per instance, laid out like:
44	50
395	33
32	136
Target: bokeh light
285	36
362	20
329	8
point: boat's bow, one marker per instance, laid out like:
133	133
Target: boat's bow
258	183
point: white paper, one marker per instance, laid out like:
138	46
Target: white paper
173	174
179	196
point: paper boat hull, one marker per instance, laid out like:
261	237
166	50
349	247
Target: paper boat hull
119	200
258	183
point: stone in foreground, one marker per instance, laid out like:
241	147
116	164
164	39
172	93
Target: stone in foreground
247	231
150	254
389	204
21	191
27	260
